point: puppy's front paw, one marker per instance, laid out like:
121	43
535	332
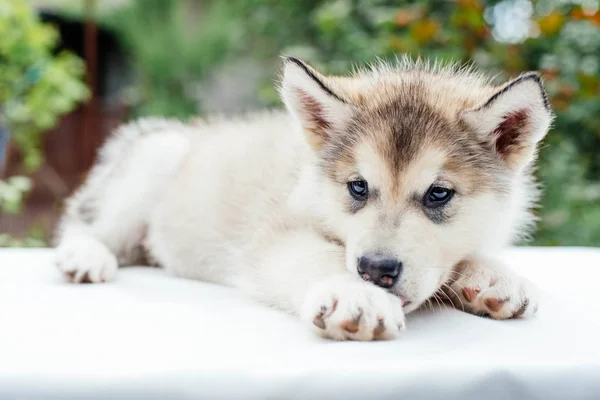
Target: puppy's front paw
496	292
345	309
86	260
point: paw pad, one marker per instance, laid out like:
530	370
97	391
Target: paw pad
319	319
494	304
469	294
353	326
380	328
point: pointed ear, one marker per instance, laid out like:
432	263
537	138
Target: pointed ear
309	98
514	119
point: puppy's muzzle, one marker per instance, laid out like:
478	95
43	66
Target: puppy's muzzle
379	269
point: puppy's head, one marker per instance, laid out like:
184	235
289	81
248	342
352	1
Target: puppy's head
418	168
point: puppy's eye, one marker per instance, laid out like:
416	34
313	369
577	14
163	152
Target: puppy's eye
359	190
437	196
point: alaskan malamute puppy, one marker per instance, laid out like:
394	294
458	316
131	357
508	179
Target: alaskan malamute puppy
375	193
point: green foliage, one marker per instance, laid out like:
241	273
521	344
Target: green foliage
171	52
36	88
35	238
12	192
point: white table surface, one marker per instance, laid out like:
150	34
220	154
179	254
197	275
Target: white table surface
150	335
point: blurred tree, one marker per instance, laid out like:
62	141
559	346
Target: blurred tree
36	88
172	52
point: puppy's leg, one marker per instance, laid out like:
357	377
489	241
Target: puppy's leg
82	257
487	287
306	275
105	221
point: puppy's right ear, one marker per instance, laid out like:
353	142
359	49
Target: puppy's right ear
514	119
308	96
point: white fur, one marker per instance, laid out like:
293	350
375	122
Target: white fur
244	203
341	298
81	255
491	280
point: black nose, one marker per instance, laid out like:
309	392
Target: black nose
379	269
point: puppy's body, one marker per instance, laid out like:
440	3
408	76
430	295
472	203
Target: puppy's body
240	179
412	178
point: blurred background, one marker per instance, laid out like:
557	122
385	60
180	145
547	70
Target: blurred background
72	70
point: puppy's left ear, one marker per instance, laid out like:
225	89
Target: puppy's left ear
514	119
311	99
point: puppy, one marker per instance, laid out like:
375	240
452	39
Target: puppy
372	195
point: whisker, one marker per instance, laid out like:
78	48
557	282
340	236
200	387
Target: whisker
441	301
430	305
457	296
446	295
460	274
436	300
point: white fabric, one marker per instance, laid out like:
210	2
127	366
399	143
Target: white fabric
149	335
